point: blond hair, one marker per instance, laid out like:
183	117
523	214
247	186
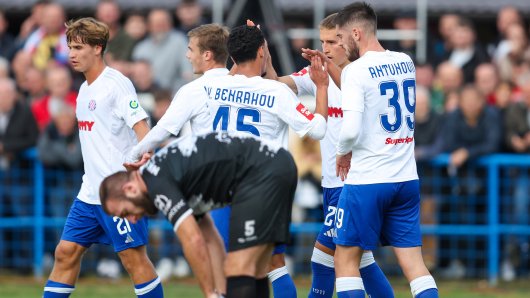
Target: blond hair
328	22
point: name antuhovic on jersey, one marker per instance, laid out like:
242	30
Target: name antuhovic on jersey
391	69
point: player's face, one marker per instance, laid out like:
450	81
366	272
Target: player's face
331	47
195	56
134	206
82	56
347	42
125	209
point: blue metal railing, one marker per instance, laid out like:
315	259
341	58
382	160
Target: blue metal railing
492	229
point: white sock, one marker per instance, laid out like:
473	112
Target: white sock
349	284
277	273
421	284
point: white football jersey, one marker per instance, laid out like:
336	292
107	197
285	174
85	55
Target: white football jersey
261	107
190	103
382	85
328	145
106	111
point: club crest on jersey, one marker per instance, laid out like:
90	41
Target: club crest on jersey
92	105
133	104
304	111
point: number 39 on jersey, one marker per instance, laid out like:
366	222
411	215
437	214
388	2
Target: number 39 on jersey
393	91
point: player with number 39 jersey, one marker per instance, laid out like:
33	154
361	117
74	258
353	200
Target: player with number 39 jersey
381	86
380	201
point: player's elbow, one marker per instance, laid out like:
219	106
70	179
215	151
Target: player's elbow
318	129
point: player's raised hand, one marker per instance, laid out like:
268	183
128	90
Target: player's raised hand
343	165
133	166
308	53
318	72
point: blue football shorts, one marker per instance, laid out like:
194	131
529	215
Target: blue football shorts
327	232
384	213
87	224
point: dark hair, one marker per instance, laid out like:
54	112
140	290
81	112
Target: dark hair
358	12
111	187
212	37
466	22
244	42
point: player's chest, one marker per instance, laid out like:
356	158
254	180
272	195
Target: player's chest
94	104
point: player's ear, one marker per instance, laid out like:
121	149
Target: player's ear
356	33
207	55
99	49
261	51
129	189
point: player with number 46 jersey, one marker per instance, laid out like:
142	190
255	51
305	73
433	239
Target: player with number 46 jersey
261	107
248	103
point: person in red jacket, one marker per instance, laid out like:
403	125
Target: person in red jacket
58	83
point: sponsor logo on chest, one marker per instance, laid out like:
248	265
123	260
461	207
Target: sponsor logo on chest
85	125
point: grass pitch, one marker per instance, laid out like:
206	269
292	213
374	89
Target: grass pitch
25	287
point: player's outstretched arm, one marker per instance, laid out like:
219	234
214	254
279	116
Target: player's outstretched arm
196	252
333	69
151	141
141	128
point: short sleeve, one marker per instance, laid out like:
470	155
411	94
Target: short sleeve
127	106
303	82
165	193
352	91
293	112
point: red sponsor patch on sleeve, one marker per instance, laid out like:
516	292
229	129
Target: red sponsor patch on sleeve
304	111
302	72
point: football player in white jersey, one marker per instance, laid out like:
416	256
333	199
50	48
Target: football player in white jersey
380	201
207	54
249	104
110	122
323	269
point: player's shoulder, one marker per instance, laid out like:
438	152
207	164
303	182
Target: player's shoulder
117	80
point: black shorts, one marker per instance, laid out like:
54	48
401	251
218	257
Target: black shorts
262	204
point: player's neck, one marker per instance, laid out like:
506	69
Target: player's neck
94	71
249	69
371	45
214	66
